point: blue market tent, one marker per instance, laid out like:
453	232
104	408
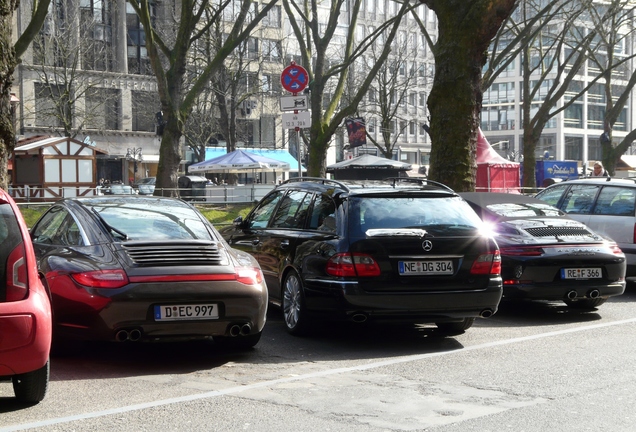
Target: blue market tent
239	161
278	154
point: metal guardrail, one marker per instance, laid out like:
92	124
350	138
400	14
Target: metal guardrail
211	194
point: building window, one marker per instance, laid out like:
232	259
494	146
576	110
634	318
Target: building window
144	107
573	148
252	48
102	109
272	19
268	132
422	101
138	61
594	150
96	34
47	111
272	50
271	84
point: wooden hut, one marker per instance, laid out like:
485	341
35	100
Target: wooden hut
49	168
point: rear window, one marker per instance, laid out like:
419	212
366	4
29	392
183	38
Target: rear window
9	238
450	214
155	222
524	210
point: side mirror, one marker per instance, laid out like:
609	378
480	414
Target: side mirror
238	222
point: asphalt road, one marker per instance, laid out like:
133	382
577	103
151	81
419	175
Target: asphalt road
531	367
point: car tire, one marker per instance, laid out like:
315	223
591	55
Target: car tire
31	387
239	342
585	303
293	305
455	328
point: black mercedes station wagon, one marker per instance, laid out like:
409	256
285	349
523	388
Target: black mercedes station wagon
398	250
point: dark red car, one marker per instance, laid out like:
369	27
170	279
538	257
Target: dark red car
25	309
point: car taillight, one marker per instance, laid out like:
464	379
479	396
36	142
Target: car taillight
487	263
615	249
249	276
347	265
522	251
17	279
102	278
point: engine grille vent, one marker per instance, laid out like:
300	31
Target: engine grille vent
173	254
559	232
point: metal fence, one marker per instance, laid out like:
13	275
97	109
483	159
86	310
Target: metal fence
211	194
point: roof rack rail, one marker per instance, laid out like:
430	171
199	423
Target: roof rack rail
317	180
422	181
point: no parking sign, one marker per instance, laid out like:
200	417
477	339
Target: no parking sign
294	78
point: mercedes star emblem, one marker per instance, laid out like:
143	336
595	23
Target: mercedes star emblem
427	245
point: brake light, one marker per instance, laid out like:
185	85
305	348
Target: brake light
522	251
249	275
102	278
615	249
487	263
17	279
351	265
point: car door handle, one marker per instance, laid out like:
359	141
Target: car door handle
284	244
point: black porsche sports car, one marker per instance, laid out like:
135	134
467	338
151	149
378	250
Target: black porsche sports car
548	256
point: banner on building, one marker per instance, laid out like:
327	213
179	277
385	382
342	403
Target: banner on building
357	132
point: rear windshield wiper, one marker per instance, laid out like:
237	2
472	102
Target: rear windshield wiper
122	234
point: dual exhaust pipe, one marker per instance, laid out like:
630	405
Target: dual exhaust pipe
571	295
131	335
240	329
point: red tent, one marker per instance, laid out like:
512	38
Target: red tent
494	172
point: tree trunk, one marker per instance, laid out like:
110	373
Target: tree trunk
8	62
465	31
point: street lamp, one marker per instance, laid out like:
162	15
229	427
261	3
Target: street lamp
134	154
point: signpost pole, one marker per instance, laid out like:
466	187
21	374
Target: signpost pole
294	79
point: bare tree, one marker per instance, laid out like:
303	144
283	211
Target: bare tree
69	97
388	94
169	44
327	56
10	54
614	24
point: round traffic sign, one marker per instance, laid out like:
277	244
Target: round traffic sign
294	78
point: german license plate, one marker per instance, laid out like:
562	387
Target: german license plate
186	312
581	273
425	267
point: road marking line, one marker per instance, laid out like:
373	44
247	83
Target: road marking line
233	390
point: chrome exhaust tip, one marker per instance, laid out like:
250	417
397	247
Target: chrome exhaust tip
246	329
122	336
134	335
235	330
594	294
571	295
359	318
486	313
